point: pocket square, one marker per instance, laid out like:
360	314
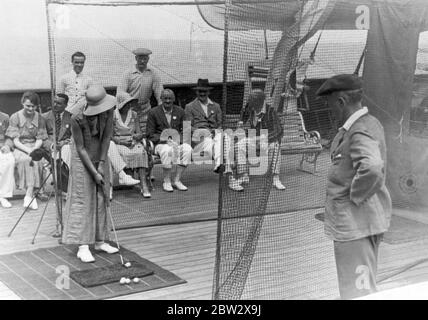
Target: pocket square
336	157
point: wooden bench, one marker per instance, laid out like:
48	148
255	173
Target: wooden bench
296	139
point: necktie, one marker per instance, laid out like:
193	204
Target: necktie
57	125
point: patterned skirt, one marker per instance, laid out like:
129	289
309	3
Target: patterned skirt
28	173
135	157
85	215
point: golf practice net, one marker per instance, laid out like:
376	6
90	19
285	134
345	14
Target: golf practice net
269	244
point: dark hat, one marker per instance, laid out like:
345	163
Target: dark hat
202	84
341	82
142	52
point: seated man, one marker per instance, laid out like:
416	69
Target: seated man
206	119
260	116
61	119
161	122
7	163
128	139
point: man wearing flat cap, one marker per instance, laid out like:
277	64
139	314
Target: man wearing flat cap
141	82
358	204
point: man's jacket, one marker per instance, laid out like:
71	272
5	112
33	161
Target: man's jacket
199	119
358	203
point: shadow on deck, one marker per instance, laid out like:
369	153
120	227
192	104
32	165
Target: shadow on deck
293	258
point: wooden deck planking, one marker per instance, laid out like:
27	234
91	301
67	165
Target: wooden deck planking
293	254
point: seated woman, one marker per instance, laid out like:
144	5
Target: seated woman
128	139
27	129
7	163
260	116
85	214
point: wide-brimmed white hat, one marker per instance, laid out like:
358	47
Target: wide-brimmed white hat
123	98
98	101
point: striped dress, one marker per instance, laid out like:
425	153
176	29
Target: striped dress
136	156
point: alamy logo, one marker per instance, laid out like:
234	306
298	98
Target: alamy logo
363	20
63	280
62	18
363	280
252	147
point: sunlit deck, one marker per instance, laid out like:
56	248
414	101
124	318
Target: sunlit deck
293	259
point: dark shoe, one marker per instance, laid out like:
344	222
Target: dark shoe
42	196
57	234
220	168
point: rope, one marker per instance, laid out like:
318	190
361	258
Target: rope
360	62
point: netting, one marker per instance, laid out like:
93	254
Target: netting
269	244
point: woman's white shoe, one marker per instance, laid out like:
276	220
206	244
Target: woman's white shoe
106	248
5	203
84	254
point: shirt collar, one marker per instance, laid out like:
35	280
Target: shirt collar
75	74
138	71
354	117
209	101
22	118
166	112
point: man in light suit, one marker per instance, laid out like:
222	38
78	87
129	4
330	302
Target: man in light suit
206	120
358	204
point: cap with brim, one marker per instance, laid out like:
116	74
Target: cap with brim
341	82
123	98
98	101
142	52
202	85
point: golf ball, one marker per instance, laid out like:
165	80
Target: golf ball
128	264
136	280
122	280
127	281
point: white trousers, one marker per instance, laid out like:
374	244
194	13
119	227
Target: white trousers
181	156
211	148
7	178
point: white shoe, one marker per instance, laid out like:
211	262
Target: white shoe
84	254
278	184
34	205
27	201
167	187
106	248
235	184
5	203
180	186
127	180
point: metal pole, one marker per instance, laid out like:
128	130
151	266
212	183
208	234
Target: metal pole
157	3
52	64
41	219
216	285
